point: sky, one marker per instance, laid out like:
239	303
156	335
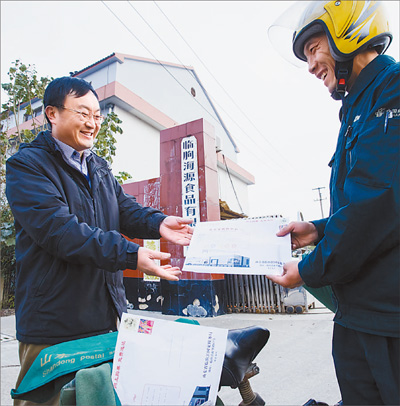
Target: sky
282	118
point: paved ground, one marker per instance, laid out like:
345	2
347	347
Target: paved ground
295	365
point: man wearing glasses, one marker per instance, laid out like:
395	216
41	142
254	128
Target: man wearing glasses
69	214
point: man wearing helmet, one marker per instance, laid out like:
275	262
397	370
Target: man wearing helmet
357	246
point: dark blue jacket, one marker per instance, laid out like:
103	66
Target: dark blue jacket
69	250
358	253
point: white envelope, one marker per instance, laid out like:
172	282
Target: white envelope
244	246
160	362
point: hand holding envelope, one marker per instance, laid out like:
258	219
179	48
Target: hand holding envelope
244	246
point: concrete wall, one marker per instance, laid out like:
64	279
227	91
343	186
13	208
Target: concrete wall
102	76
138	148
172	98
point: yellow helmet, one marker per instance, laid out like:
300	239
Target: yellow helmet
351	27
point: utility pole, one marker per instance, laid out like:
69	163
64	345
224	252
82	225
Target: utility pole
320	199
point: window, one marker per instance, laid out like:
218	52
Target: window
37	112
27	117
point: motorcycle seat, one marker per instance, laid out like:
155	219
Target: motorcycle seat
242	347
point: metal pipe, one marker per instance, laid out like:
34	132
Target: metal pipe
257	292
236	285
265	308
246	279
242	293
271	290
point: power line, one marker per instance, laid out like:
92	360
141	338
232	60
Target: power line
183	65
159	62
155	32
220	85
263	161
233	187
190	72
320	198
250	138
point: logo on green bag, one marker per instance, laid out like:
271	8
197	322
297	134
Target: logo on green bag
57	364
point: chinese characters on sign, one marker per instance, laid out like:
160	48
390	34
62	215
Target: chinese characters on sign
190	180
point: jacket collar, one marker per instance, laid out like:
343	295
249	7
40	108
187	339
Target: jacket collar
367	76
45	140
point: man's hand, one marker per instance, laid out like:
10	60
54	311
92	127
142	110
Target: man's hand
146	264
176	230
290	277
303	233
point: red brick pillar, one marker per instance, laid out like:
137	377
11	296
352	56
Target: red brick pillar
143	293
195	294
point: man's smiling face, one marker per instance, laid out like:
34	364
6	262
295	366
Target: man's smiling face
320	61
69	127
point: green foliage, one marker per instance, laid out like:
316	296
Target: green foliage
105	141
24	86
122	177
8	233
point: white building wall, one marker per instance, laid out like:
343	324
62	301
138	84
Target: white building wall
103	76
172	94
138	148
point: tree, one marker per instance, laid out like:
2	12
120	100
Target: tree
105	142
24	89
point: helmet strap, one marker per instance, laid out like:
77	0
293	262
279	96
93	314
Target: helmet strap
343	71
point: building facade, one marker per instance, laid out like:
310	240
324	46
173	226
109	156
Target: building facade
150	96
159	102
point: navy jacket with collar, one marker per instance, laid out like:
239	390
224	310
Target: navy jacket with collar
69	250
358	250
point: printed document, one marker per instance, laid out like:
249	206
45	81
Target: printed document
160	362
244	246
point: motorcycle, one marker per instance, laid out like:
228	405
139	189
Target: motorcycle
56	366
243	345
